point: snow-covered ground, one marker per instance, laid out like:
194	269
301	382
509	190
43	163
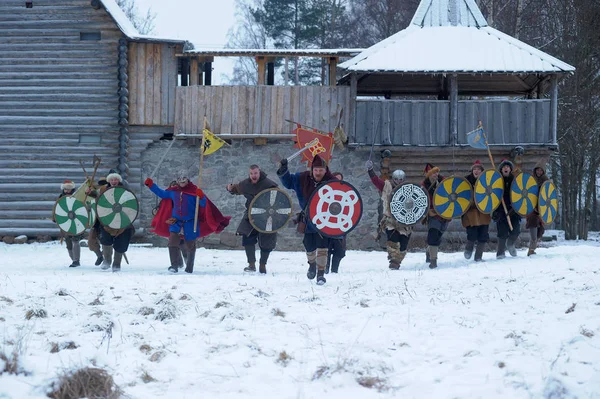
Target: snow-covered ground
516	328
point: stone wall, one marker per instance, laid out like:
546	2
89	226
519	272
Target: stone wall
230	165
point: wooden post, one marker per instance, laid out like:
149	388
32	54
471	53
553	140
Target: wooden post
260	60
352	110
333	71
554	108
194	72
287	71
453	109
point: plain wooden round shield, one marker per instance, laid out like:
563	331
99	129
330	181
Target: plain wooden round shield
452	197
524	194
409	203
270	210
335	208
70	215
117	208
548	202
489	189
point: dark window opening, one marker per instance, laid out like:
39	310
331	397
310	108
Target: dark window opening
90	36
29	4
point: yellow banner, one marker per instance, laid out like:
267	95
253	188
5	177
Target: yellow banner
211	142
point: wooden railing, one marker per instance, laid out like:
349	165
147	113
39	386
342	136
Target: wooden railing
259	110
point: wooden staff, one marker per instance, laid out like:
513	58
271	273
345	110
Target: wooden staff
90	182
494	166
200	175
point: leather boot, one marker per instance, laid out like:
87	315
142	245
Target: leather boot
479	251
175	258
500	253
116	265
76	254
189	263
312	270
335	264
321	277
394	265
433	253
533	237
469	249
262	268
70	251
99	257
251	267
427	256
510	245
107	253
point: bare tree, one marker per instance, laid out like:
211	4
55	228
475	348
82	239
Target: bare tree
144	23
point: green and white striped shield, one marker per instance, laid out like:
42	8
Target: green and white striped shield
70	215
117	208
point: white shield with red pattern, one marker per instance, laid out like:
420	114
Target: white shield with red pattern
335	208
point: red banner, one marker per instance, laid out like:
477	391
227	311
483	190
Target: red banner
322	148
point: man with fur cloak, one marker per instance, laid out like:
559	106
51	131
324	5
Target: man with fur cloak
476	222
175	219
304	184
112	240
256	182
533	222
398	234
436	225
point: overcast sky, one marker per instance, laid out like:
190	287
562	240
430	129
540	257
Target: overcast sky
203	22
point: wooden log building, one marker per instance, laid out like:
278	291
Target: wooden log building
76	79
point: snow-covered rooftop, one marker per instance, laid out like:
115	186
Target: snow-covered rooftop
339	52
125	25
453	36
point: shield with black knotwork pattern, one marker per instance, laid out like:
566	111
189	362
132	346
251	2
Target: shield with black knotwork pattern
409	203
270	210
335	208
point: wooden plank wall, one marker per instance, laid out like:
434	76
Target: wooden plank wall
259	109
54	88
426	123
152	83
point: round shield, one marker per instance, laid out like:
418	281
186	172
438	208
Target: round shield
524	194
91	207
70	215
335	208
489	189
117	208
409	203
270	210
548	202
452	198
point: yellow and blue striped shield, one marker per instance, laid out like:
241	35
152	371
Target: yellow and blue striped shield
453	197
489	189
524	194
548	202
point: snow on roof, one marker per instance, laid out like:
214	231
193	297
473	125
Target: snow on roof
453	36
448	12
125	25
341	52
454	49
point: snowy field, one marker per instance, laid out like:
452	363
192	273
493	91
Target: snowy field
516	328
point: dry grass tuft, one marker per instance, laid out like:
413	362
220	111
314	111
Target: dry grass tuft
37	313
278	312
146	311
6	299
96	302
380	384
185	297
284	358
146	377
222	304
55	347
158	356
86	383
145	348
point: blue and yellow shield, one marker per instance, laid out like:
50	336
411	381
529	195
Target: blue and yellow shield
524	194
548	202
453	197
489	189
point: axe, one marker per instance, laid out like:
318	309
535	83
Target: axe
90	182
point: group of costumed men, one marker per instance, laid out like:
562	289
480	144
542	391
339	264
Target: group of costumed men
179	220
